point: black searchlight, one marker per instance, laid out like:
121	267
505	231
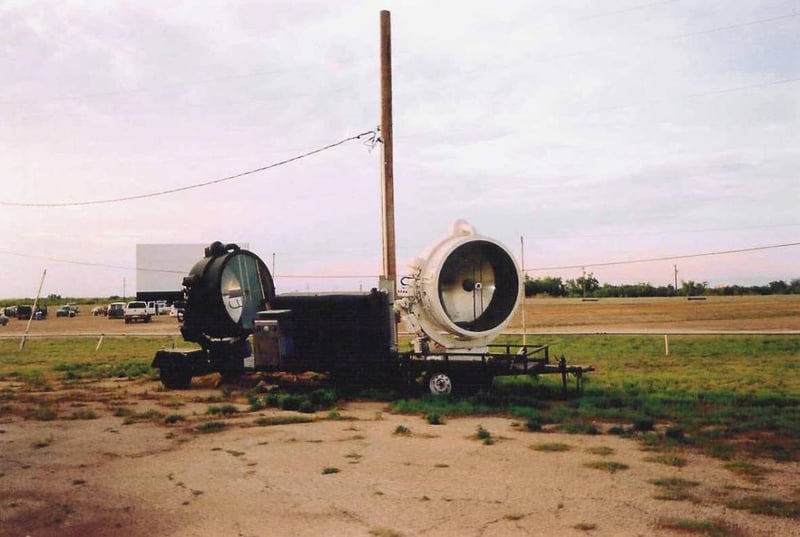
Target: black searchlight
224	292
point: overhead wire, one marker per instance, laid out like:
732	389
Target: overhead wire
625	10
353	276
665	258
671	37
373	139
173	271
660	232
695	95
89	263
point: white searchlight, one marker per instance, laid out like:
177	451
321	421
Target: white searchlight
461	293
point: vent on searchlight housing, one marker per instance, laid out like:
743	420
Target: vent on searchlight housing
463	291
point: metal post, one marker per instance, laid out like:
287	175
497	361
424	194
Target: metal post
675	269
522	262
33	311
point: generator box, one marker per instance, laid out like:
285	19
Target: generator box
272	341
325	332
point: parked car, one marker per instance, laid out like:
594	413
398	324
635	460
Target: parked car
116	310
3	319
10	311
176	308
138	311
25	312
65	311
100	310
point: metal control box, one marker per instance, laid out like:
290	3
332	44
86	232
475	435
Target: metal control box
272	342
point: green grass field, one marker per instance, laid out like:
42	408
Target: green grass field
731	396
48	360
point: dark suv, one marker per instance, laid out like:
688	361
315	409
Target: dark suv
116	310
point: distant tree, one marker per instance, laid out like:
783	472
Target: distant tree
544	286
556	287
53	297
778	287
690	288
586	285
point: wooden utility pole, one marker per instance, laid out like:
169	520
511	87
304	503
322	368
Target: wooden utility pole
389	276
389	259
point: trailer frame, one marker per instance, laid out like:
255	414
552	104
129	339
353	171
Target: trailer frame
466	371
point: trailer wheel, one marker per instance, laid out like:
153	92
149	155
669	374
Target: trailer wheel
175	378
440	384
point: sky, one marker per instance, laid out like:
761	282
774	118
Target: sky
594	132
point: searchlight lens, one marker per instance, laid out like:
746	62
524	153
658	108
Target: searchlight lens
478	286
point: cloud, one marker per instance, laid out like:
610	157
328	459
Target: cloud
623	130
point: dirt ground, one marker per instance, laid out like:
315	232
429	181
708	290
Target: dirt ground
348	476
90	469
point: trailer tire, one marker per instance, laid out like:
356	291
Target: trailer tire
440	384
175	378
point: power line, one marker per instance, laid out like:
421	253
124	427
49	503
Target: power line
373	139
659	232
323	277
669	258
354	276
170	271
183	272
673	37
626	10
88	263
113	93
695	95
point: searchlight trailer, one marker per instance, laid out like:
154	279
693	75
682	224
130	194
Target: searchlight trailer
457	299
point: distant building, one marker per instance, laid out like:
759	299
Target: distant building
160	269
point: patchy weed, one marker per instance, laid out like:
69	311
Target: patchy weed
268	421
43	443
434	419
750	471
611	467
222	410
603	451
674	489
84	414
45	412
551	447
147	415
760	505
668	459
402	430
211	427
